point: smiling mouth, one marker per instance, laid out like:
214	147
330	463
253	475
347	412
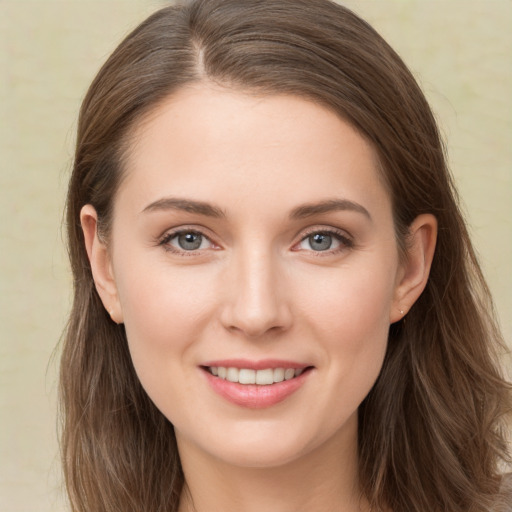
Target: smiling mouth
264	377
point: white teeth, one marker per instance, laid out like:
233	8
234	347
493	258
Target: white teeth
260	377
247	376
279	375
265	376
289	373
232	375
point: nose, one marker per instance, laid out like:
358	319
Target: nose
255	303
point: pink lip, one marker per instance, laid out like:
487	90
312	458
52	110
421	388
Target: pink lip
255	365
253	396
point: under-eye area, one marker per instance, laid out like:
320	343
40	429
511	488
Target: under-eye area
264	377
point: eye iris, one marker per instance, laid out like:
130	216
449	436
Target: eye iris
320	241
190	241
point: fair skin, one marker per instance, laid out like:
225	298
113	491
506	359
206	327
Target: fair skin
256	278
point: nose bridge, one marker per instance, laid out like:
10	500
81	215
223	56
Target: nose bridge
256	302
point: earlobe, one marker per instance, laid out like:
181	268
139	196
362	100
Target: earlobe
101	266
415	270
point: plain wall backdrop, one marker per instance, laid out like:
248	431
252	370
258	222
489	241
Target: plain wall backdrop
460	51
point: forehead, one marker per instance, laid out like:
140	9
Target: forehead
206	140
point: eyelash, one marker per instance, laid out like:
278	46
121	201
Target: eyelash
165	241
345	241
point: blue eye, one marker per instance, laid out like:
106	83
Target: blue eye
320	241
324	241
188	241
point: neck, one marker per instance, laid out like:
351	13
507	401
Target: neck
323	479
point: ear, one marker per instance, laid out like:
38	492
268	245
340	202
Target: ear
101	266
414	271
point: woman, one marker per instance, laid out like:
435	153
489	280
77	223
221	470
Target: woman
277	305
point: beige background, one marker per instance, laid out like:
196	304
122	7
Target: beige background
461	51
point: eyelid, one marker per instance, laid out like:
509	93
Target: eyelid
345	239
164	240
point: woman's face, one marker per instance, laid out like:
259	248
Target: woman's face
253	239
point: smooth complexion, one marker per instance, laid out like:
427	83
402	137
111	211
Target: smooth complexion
256	233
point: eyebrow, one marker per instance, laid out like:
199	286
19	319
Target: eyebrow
330	205
186	205
300	212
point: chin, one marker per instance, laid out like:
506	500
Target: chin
261	453
268	444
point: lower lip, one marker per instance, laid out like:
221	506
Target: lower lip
254	396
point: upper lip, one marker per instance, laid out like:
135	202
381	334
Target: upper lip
262	364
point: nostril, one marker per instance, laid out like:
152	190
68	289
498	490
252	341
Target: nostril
257	324
251	332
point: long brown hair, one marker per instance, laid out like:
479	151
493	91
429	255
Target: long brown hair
432	430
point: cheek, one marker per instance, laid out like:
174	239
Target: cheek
351	305
349	316
164	310
164	313
161	299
